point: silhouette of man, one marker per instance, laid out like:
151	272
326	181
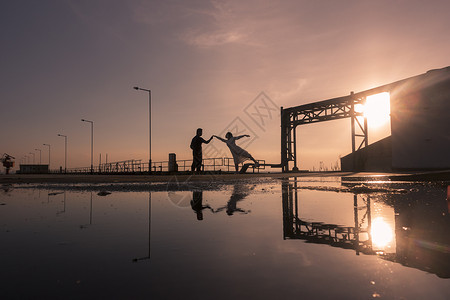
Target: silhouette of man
197	204
196	146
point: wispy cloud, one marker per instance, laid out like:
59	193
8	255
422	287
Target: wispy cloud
210	39
227	22
250	23
205	24
223	26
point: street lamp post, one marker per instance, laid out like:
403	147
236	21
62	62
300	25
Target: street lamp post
92	143
40	155
33	156
65	151
149	125
48	154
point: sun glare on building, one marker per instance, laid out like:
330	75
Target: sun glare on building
377	109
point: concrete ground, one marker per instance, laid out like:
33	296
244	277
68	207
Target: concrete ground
124	178
128	178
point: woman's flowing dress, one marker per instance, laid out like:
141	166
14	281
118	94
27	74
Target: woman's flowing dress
239	154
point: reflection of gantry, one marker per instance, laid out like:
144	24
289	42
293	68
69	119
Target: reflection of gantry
322	233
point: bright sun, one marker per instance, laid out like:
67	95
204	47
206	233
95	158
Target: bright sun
377	109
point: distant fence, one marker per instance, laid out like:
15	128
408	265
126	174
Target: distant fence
136	166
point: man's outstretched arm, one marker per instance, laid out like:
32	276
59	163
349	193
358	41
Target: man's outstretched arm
207	142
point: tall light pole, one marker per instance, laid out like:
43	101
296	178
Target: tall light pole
65	151
149	125
92	143
33	156
48	154
40	155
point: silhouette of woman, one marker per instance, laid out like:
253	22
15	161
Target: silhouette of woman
239	154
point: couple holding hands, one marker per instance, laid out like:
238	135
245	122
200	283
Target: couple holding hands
239	154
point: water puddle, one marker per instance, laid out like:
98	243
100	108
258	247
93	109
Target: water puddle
315	237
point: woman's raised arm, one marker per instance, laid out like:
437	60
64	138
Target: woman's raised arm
219	138
241	136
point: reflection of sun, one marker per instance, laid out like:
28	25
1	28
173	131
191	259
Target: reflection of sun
381	233
377	109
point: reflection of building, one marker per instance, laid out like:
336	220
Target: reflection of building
422	227
421	222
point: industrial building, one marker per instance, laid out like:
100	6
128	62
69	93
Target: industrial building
33	169
420	126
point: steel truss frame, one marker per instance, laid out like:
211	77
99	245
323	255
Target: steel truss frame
328	110
344	107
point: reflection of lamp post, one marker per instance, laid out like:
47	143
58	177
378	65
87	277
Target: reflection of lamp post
65	151
90	216
33	156
149	126
48	154
40	155
92	143
149	228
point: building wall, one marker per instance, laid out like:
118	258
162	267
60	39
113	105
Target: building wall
376	157
420	123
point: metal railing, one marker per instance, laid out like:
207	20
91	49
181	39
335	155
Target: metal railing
231	167
136	166
126	166
208	164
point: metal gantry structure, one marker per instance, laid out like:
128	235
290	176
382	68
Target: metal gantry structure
430	85
332	109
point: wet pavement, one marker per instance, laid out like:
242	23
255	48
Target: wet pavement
258	238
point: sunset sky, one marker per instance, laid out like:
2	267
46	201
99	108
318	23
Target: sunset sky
205	62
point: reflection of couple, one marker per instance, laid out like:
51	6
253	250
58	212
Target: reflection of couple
239	155
240	192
